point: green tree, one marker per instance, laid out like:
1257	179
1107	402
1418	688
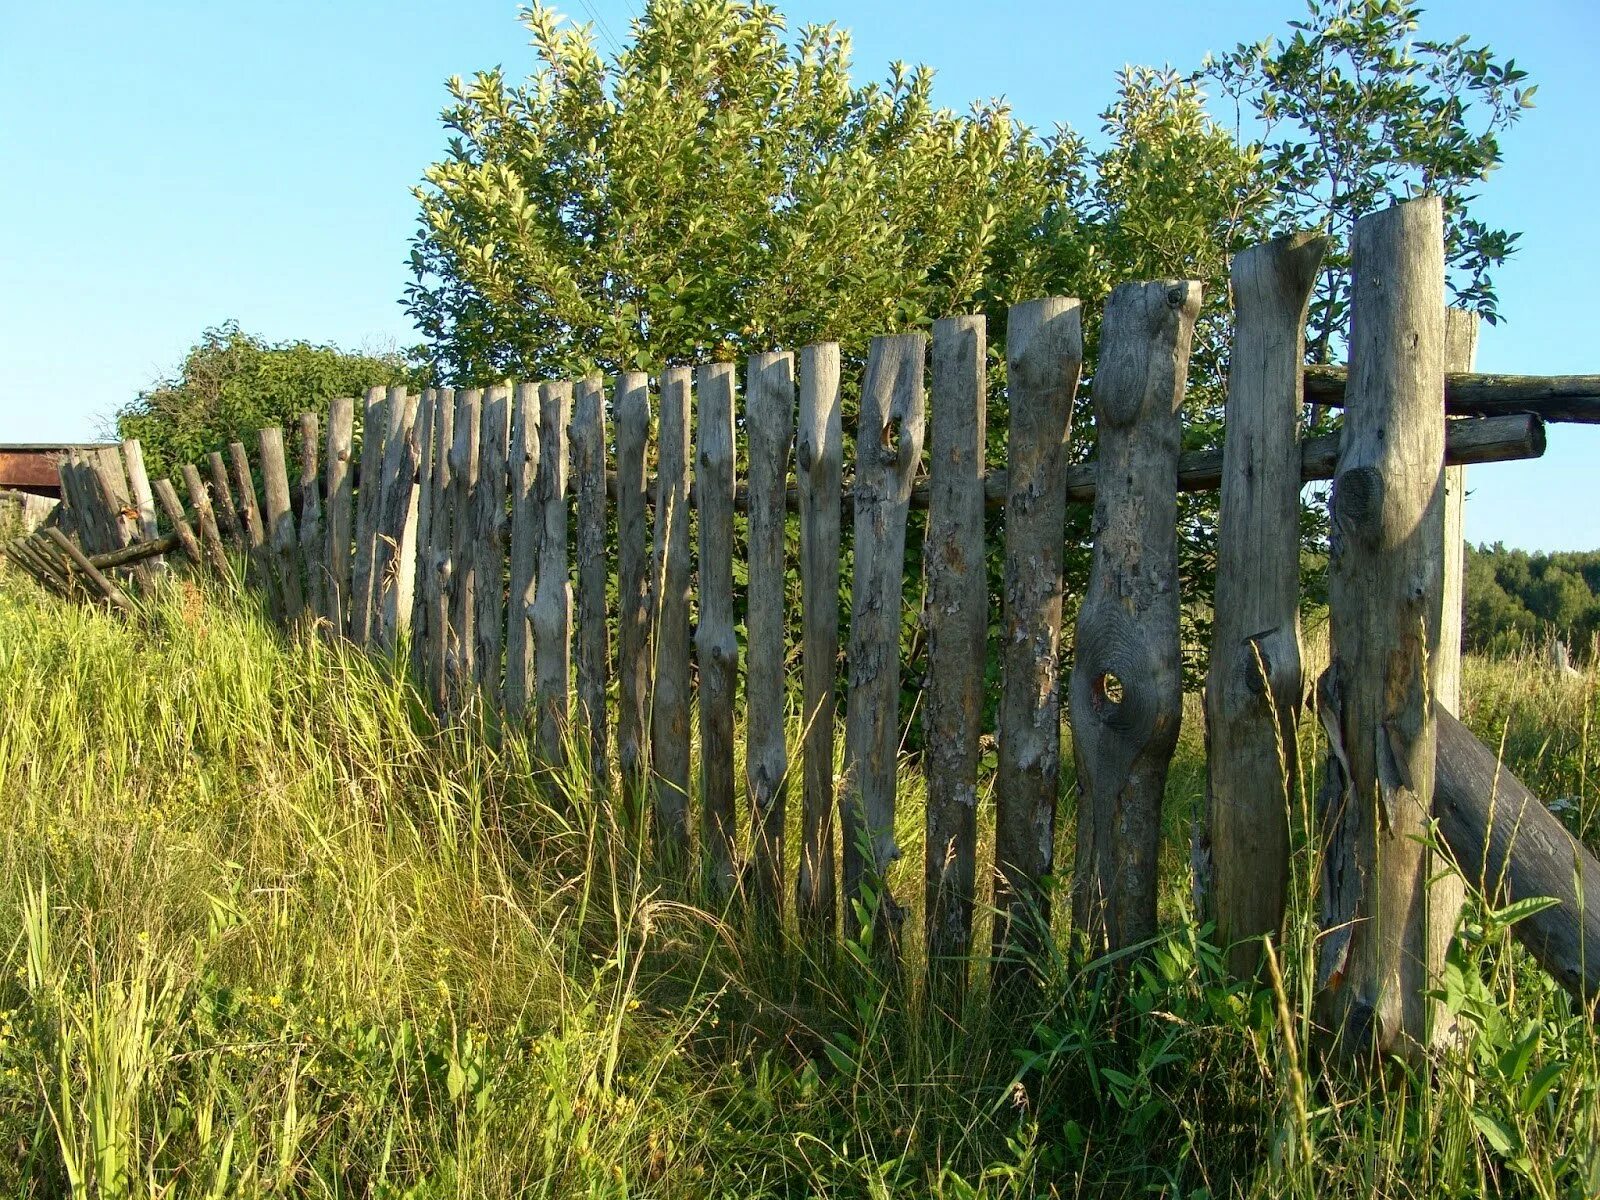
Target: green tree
232	384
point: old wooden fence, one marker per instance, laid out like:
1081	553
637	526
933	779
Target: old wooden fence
473	529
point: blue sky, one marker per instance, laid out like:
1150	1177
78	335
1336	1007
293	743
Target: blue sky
172	165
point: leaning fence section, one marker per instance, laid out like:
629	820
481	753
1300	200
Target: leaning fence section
532	553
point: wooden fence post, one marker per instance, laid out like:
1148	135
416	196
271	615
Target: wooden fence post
525	522
669	699
282	540
173	507
393	528
422	549
369	494
633	594
1387	516
461	655
819	466
312	541
441	539
769	421
589	467
209	537
1254	683
489	540
1127	681
888	451
1044	356
956	615
255	534
224	507
716	647
336	462
552	592
143	499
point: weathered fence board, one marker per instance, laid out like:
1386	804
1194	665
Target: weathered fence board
716	647
173	508
633	593
552	590
392	525
525	523
956	614
462	573
436	565
99	582
819	461
225	508
312	540
1044	357
489	540
255	534
341	499
144	501
1384	594
368	499
769	422
589	486
283	542
1127	682
1254	684
669	698
888	451
200	501
422	549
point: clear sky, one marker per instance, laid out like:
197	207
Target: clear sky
170	165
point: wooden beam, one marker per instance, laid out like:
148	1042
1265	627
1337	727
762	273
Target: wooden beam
1565	398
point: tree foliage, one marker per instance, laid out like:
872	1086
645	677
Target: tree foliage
1513	598
232	384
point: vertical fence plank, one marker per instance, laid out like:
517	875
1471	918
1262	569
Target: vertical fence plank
1127	680
107	465
369	493
1044	355
716	647
769	421
489	542
463	562
525	522
282	540
312	541
210	538
956	614
255	534
393	528
888	450
441	540
173	508
336	558
1254	682
223	505
589	467
819	465
633	593
552	596
669	699
1387	520
427	413
144	500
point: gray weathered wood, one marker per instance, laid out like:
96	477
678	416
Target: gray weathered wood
173	508
716	646
589	484
460	579
283	541
1044	357
312	540
669	698
1254	683
1512	847
769	422
210	538
144	500
1385	584
633	593
441	543
956	615
394	541
108	468
225	508
340	515
819	465
888	451
1559	398
1127	681
97	581
525	522
489	540
255	532
368	499
421	566
42	565
136	552
552	589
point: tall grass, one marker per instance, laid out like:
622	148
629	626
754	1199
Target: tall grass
270	930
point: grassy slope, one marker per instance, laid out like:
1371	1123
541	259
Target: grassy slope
267	931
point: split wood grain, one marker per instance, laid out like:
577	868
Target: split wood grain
283	540
716	646
669	698
336	557
525	523
589	485
552	591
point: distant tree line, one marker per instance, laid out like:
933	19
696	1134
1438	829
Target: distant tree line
1514	598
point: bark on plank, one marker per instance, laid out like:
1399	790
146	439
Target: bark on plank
769	422
716	647
552	590
669	698
888	451
489	540
1385	583
340	518
589	484
1044	357
956	615
283	540
633	593
525	522
1254	683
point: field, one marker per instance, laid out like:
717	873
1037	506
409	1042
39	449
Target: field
269	931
